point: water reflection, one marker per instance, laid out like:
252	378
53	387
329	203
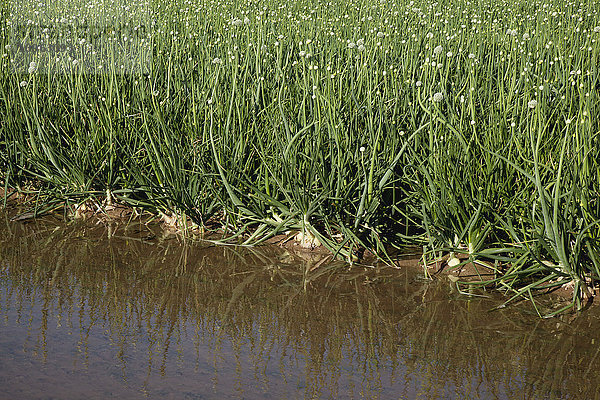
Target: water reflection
98	311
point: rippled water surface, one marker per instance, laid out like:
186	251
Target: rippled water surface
129	312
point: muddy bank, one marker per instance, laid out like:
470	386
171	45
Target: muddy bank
454	268
20	207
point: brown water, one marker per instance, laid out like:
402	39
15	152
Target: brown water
91	312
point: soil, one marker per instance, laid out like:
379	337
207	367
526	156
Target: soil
103	212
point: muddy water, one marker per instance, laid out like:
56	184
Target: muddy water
128	312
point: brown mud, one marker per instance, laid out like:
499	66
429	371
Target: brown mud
102	210
105	211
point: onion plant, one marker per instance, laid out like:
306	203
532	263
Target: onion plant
464	127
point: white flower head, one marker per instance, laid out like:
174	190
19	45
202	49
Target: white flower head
526	36
438	50
32	67
360	42
380	34
351	45
246	20
449	54
361	47
23	83
237	22
597	29
217	60
302	53
437	97
418	83
532	103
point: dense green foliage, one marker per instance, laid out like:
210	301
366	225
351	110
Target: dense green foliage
463	126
